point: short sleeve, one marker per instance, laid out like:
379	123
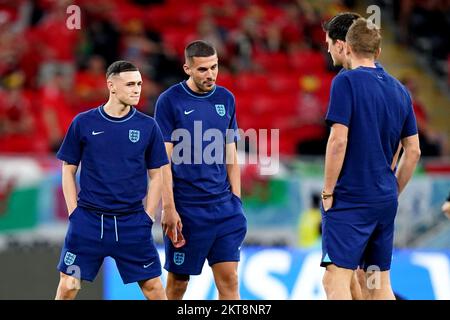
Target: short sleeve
155	154
71	148
164	117
410	124
340	106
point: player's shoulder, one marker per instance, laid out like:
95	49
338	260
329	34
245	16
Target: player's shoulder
223	90
341	77
360	74
402	88
351	73
82	116
171	91
224	94
149	120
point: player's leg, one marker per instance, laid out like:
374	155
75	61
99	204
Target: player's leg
378	255
346	229
383	291
82	255
153	289
355	287
198	231
362	280
176	285
336	282
359	285
225	251
130	243
68	287
226	279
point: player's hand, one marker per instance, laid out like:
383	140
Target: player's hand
172	227
176	237
446	208
327	204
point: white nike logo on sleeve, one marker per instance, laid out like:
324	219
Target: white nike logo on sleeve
187	112
96	133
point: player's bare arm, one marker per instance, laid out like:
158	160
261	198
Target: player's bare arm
69	186
334	159
395	159
170	219
233	170
154	192
408	161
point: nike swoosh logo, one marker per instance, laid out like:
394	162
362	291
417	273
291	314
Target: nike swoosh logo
96	133
148	265
187	112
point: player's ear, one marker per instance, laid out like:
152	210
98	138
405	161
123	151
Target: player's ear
377	54
111	86
347	49
187	70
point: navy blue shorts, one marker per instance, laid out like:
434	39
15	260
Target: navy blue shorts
214	232
126	238
358	234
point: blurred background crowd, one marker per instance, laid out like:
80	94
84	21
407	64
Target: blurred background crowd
272	56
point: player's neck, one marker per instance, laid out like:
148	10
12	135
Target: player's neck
362	62
191	85
116	109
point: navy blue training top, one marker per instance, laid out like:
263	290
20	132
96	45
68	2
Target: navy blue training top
378	111
199	126
115	154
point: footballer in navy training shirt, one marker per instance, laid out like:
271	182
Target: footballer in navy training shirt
202	210
370	113
118	149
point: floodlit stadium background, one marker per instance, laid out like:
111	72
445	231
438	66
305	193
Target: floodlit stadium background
273	58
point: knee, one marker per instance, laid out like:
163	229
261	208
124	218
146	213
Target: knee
327	282
177	286
153	289
228	282
68	287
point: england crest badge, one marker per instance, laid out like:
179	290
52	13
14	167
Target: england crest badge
134	135
69	258
220	108
178	258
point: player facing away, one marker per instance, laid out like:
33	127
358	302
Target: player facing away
370	113
335	31
118	148
201	191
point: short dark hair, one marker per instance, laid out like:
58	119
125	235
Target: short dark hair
337	27
120	66
199	48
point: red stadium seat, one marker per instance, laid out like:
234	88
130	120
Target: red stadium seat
273	61
226	80
175	39
251	82
283	82
307	61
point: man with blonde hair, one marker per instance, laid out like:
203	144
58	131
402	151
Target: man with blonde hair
370	113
